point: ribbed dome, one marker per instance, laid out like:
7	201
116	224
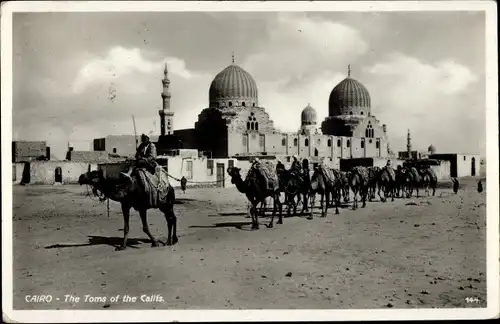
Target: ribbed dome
308	116
349	97
233	87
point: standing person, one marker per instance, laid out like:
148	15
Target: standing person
145	157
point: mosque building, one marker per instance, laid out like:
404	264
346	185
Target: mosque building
236	125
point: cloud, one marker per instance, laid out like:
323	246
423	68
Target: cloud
122	62
299	46
432	100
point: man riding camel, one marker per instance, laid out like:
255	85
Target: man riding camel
144	157
296	164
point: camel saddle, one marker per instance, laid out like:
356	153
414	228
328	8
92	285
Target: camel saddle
329	174
390	172
267	171
362	172
156	186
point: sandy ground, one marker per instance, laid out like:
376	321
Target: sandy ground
430	253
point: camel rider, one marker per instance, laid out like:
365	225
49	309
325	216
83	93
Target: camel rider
280	167
296	164
144	157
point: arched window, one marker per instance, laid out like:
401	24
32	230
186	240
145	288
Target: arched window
348	143
377	144
362	144
243	104
252	126
329	142
339	143
318	141
362	113
295	142
283	141
230	104
256	126
350	113
306	142
248	125
253	105
316	153
114	150
369	132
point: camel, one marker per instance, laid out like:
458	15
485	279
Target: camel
429	179
412	181
294	185
373	178
256	189
358	181
344	178
325	183
399	184
132	194
387	182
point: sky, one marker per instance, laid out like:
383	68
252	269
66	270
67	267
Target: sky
80	76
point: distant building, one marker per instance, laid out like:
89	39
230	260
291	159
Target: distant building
123	145
461	165
26	151
234	125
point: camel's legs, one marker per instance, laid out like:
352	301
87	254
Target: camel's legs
355	201
145	227
326	197
270	225
312	198
171	224
126	226
280	206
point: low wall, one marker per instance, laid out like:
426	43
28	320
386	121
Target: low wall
44	172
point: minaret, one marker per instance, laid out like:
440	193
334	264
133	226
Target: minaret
165	114
408	144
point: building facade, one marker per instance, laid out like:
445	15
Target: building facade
235	125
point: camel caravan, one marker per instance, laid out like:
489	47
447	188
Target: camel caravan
145	186
296	187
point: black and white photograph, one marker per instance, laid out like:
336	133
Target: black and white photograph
271	160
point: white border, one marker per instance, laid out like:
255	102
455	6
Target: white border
492	250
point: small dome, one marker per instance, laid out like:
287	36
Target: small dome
431	149
233	86
349	97
308	116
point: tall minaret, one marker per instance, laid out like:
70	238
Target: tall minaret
165	114
408	144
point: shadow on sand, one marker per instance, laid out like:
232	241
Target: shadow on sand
238	225
180	201
101	240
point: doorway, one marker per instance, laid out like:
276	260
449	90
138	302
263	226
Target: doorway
58	175
26	177
473	167
220	175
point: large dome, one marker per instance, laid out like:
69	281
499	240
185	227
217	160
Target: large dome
308	116
349	97
233	86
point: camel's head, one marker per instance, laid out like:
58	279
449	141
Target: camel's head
234	173
90	178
